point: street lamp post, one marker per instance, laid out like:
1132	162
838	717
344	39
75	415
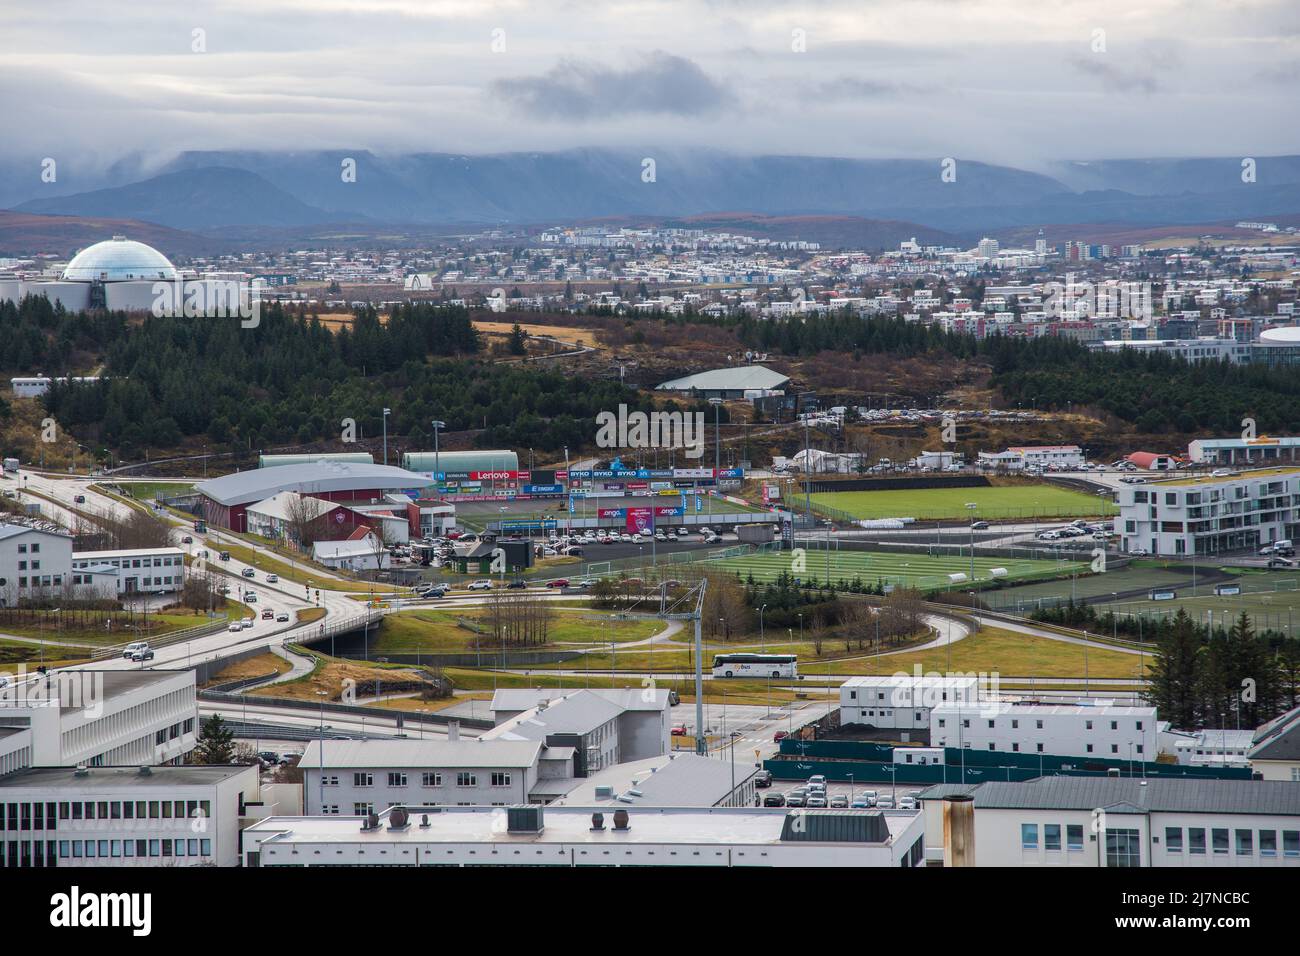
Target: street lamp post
387	412
437	427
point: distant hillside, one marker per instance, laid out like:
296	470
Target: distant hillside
291	190
24	234
207	198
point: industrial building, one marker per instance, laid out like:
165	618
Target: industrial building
122	274
586	836
1250	452
1126	822
903	701
1078	730
126	816
1210	514
350	457
745	381
102	718
134	571
225	500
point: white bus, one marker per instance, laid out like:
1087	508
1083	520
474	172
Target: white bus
755	665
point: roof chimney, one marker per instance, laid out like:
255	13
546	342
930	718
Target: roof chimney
959	830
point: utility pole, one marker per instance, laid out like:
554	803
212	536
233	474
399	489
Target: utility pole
387	411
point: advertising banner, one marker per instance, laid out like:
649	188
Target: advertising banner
640	520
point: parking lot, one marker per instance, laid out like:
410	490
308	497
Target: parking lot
849	791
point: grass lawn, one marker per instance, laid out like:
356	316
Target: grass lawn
903	569
994	650
437	630
252	667
1025	501
1026	596
145	490
1271	598
125	627
328	676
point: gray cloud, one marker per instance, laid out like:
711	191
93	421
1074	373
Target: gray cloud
1113	77
573	89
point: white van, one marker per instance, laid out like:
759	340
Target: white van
132	648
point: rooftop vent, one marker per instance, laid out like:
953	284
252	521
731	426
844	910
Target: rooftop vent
424	821
81	771
145	772
620	820
398	819
371	822
524	819
598	821
604	791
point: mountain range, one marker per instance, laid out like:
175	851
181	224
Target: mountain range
215	192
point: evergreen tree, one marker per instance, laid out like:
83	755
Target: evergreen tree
1173	672
216	743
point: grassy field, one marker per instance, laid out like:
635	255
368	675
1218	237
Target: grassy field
145	490
1026	501
124	627
1026	597
904	570
431	631
1271	598
993	650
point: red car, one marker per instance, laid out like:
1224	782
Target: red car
679	730
558	583
779	736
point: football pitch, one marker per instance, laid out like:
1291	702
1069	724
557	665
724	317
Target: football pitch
1028	502
901	570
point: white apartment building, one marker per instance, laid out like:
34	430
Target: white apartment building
366	776
1076	730
903	701
1208	515
32	562
137	570
587	836
124	816
98	719
1128	822
1049	456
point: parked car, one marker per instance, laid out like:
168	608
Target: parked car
131	648
839	802
817	780
187	540
269	757
794	799
679	730
907	803
885	803
482	585
774	800
586	583
815	802
763	778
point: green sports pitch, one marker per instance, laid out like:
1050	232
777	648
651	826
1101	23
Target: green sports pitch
1027	501
902	570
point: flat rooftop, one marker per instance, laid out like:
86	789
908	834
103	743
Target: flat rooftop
1252	474
102	778
705	826
78	688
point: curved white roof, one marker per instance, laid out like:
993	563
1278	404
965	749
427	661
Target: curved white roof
257	484
116	259
1286	335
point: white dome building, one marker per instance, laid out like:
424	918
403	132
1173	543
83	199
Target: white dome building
117	260
121	274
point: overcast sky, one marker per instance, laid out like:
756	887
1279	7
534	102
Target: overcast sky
1019	82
